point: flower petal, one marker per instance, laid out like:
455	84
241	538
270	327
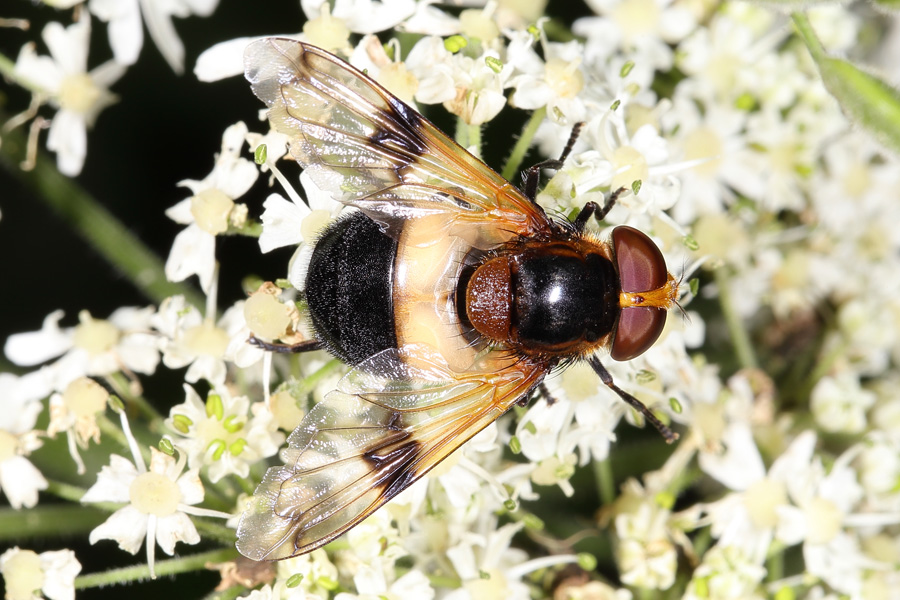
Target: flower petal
127	526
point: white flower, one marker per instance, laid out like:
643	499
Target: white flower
239	350
555	83
468	87
597	410
221	435
370	57
372	584
318	575
646	556
821	515
644	27
544	436
63	78
75	412
209	211
839	403
225	59
486	564
19	479
94	347
282	592
52	573
788	151
192	340
713	140
364	16
748	519
720	55
879	470
158	502
429	20
288	223
375	543
726	572
126	33
619	158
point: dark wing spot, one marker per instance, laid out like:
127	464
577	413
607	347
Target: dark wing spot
395	462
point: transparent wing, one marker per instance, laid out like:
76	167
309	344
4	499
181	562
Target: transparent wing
372	151
392	419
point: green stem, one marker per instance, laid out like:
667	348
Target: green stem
65	491
606	486
119	246
468	136
775	567
823	367
112	430
309	383
809	36
230	594
48	522
474	139
215	531
743	347
122	386
524	142
461	135
8	71
195	562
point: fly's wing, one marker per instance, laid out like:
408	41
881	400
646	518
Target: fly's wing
392	419
371	150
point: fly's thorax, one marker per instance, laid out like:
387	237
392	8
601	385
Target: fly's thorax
557	298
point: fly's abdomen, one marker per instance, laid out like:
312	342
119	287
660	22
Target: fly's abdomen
348	288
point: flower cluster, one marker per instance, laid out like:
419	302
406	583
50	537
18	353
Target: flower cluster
765	168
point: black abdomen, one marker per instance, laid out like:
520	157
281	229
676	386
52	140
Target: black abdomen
348	288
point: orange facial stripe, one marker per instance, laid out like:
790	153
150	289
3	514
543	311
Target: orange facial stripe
662	297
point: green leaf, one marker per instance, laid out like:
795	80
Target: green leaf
865	98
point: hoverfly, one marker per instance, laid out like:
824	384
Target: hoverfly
450	293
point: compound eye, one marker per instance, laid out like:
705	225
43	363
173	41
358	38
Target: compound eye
639	328
641	265
641	268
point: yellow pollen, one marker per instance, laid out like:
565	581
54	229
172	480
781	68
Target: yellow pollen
630	165
704	143
8	445
266	316
313	223
78	93
824	521
210	209
564	77
85	397
23	575
492	584
636	17
326	32
154	494
475	23
207	339
856	180
96	336
762	499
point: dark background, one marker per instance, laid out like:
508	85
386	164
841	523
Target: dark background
164	129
